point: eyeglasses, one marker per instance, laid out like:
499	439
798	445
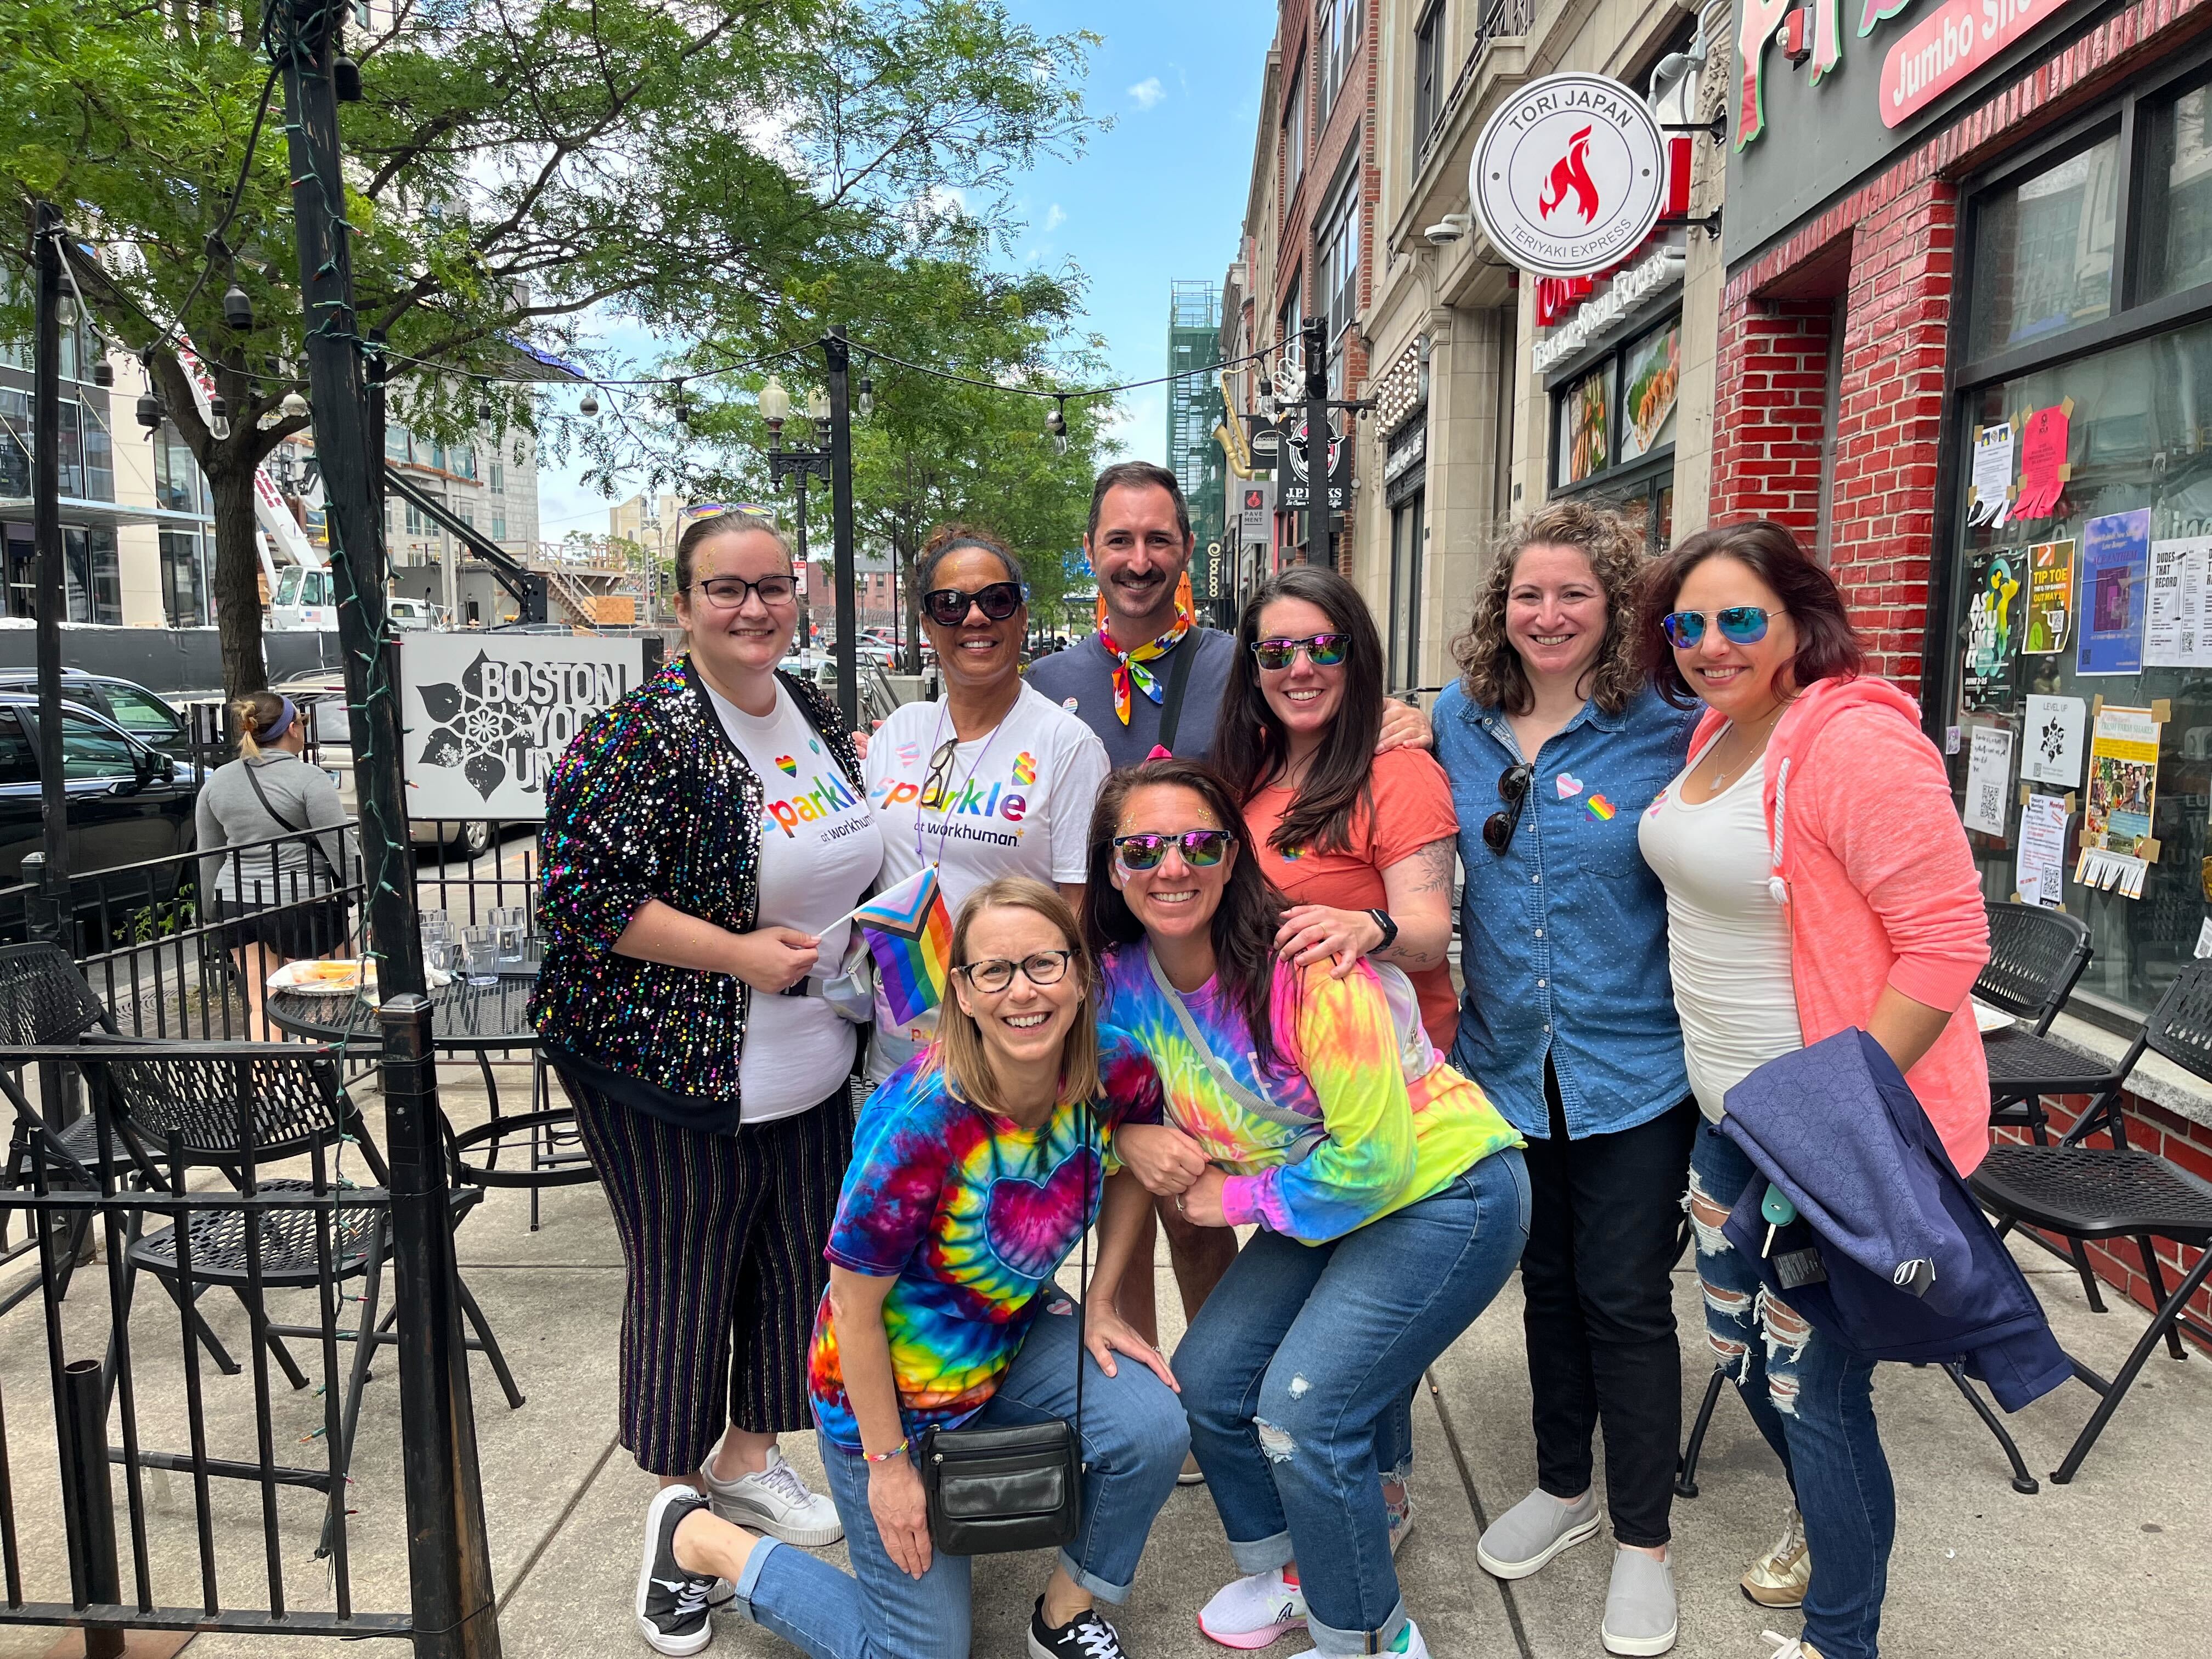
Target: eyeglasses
729	592
997	973
1741	624
948	606
1201	849
1513	789
940	768
1322	651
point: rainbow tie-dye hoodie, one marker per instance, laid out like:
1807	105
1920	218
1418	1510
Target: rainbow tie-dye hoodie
1342	1062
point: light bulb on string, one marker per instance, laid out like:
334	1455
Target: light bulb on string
237	309
1056	424
294	407
589	405
218	418
867	405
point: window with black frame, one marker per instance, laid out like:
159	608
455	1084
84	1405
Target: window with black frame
2088	346
1613	426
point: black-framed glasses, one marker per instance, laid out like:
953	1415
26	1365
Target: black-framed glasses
729	592
1322	651
1513	789
995	974
941	773
948	606
1739	625
1201	849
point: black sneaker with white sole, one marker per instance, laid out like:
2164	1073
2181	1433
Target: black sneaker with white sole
671	1603
1087	1636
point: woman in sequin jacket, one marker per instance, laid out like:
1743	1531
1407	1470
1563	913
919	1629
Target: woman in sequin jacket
705	840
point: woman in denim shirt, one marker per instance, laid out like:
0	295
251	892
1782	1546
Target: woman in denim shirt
1555	748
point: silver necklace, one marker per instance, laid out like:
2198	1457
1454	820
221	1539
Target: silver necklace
1719	779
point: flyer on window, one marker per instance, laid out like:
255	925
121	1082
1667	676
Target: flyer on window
2039	868
1989	779
2050	597
1993	633
2117	804
2050	741
2178	619
2115	580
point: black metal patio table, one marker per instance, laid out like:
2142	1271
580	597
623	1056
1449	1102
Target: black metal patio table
479	1021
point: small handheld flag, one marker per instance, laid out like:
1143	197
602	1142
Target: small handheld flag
911	936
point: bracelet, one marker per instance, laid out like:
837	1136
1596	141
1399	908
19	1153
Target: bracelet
884	1457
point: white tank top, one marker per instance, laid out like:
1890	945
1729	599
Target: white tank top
1728	941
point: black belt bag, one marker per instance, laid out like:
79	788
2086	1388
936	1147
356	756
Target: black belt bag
991	1491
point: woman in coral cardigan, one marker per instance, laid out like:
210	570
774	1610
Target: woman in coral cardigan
1817	878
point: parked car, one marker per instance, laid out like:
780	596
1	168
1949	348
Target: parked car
877	699
128	801
144	714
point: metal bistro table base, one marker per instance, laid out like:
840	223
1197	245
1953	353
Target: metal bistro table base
479	1020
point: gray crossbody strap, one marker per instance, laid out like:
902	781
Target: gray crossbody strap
1310	1134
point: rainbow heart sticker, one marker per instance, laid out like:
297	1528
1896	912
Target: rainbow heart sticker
1570	786
1600	806
1025	768
787	765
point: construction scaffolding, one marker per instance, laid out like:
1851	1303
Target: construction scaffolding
1195	408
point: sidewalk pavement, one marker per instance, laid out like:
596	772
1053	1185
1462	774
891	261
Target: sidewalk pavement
2111	1567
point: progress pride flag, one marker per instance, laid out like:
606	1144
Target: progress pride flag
1947	46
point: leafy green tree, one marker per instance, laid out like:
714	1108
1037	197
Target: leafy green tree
935	449
519	174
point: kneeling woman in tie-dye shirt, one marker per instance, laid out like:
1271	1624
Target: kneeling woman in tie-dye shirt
1390	1199
976	1169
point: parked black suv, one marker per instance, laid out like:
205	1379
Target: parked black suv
144	714
128	800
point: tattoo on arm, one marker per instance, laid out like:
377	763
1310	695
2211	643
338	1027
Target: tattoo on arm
1424	876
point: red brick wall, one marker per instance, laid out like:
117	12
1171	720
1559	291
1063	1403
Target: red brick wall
2151	1129
1771	404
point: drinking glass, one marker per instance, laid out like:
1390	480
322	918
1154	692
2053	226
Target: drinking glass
479	955
435	925
508	927
438	953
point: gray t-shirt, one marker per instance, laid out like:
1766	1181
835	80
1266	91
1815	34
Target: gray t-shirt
231	814
1080	680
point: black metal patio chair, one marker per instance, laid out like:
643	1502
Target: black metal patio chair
45	1001
2083	1193
240	1109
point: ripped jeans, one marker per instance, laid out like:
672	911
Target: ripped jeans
1298	1368
1814	1403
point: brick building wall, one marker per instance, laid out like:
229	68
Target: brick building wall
1881	258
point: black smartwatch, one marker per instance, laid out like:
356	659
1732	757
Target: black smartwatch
1390	930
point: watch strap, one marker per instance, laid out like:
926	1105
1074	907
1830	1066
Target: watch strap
1389	928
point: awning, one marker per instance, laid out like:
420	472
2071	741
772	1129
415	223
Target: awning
105	515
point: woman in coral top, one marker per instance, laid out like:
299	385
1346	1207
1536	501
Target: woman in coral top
1817	879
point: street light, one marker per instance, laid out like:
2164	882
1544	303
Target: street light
813	462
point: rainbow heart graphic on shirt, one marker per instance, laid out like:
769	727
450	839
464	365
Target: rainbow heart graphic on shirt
1569	785
787	765
1025	768
1291	854
1601	808
1029	1225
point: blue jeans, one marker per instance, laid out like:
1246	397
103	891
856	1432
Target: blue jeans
1133	1442
1301	1359
1813	1400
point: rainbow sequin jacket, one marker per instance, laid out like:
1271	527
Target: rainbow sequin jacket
651	800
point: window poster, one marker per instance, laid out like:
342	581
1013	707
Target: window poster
2177	616
2039	869
1989	779
1583	427
2050	598
1649	378
2051	740
1993	633
2116	810
2115	583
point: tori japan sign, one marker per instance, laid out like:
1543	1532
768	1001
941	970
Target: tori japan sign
1569	175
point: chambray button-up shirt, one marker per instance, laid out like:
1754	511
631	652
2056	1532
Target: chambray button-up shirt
1574	966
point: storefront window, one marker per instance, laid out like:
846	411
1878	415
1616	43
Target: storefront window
1650	374
1615	441
1585	425
2177	195
184	579
2043	252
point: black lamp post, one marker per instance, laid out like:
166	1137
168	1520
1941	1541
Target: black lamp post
801	464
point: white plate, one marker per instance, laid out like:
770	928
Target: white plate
314	979
1988	1019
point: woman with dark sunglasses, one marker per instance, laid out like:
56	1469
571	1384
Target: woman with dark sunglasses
1389	1204
991	779
1360	842
1817	879
1554	747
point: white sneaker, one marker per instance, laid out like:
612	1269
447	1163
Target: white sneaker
1409	1646
777	1502
1252	1611
1789	1647
671	1602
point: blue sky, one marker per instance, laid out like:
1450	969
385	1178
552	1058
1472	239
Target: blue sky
1161	197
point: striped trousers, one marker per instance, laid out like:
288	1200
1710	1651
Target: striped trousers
722	1236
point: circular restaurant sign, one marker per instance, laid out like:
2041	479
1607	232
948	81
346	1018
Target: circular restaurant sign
1568	176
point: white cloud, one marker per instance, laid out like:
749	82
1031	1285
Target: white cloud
1148	92
1054	217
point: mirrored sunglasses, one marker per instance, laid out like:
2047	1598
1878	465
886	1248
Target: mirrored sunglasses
1739	625
1201	849
1322	651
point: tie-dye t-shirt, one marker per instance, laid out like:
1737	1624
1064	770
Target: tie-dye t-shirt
972	1216
1342	1061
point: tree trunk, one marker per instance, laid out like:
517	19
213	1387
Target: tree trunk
237	577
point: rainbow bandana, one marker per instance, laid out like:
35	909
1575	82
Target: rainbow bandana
1129	665
911	936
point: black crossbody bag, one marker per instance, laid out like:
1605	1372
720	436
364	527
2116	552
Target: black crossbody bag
991	1491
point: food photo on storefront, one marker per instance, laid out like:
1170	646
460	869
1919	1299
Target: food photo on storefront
1966	344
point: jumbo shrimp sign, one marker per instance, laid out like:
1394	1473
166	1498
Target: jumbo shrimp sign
1569	175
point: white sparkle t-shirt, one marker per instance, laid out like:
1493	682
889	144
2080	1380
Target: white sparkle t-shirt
1014	802
819	850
